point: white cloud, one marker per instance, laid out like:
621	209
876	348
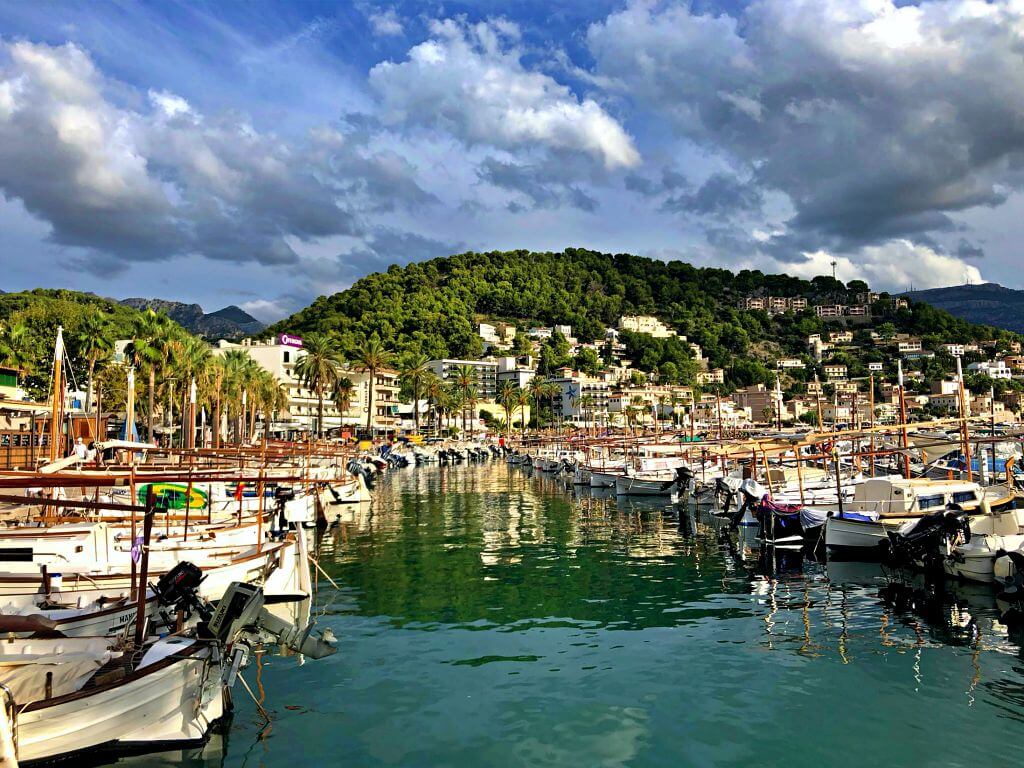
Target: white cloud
894	266
129	184
170	104
386	23
470	81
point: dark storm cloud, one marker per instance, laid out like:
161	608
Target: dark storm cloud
968	250
722	194
536	182
876	121
147	184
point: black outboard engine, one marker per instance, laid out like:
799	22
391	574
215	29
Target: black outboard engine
749	501
356	467
930	539
684	479
178	590
726	495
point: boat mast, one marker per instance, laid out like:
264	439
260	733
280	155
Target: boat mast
57	406
903	420
964	437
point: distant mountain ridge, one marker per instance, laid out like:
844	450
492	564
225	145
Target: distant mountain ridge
985	303
231	322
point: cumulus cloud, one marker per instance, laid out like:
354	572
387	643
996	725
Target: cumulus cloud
894	266
877	120
141	185
469	80
385	23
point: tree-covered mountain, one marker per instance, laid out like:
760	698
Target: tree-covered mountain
231	322
434	307
988	303
28	327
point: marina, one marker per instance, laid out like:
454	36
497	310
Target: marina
494	614
630	384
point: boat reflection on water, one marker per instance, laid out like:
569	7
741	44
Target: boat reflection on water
212	754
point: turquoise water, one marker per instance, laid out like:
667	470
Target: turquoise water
493	617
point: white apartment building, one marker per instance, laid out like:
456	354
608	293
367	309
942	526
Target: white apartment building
581	399
996	369
485	374
300	415
519	371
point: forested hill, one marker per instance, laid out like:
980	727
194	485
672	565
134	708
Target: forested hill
988	303
434	306
28	327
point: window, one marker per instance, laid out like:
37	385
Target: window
965	497
930	502
287	356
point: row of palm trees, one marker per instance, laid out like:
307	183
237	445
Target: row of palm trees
233	389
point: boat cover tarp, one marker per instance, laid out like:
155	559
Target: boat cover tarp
812	518
24	665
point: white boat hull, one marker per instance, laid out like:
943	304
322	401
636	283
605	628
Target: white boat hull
164	704
634	486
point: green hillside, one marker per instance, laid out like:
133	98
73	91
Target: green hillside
28	327
434	306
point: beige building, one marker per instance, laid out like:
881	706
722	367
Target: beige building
301	413
652	326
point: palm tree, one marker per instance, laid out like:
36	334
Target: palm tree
586	405
456	403
344	393
191	358
507	400
272	397
318	370
433	388
146	351
522	400
413	371
15	349
465	378
472	399
538	391
94	344
370	357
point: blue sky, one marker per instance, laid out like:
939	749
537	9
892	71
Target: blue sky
266	153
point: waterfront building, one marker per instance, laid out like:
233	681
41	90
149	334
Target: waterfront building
580	399
518	370
995	369
790	362
714	376
485	373
835	372
279	357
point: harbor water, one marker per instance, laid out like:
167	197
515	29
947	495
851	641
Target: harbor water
493	616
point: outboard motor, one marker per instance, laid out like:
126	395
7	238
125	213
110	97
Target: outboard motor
178	591
356	467
685	480
925	542
726	494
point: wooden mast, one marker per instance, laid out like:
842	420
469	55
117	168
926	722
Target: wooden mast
57	406
903	420
964	437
